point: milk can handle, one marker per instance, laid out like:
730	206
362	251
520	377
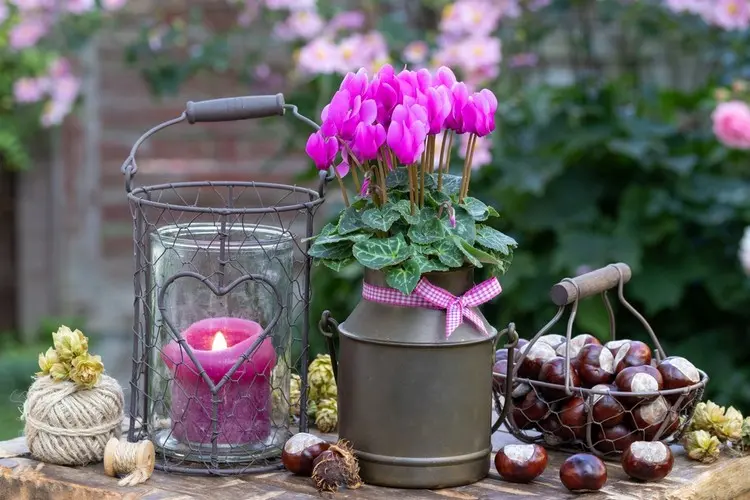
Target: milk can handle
329	328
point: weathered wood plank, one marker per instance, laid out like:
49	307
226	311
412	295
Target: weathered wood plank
23	477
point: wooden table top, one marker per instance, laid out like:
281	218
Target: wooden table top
22	477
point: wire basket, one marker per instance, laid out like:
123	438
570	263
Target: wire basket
222	290
561	393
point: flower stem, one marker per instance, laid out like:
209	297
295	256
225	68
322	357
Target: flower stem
382	171
409	170
355	177
440	164
467	168
448	153
421	178
343	188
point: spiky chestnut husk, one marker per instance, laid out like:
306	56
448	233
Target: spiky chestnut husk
336	467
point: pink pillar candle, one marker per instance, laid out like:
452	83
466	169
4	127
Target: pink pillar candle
244	410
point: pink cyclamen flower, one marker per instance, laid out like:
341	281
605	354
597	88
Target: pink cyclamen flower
319	57
459	98
437	102
321	149
27	32
28	90
345	112
731	124
445	77
416	52
479	113
466	17
365	189
407	132
304	24
367	140
385	90
356	83
414	83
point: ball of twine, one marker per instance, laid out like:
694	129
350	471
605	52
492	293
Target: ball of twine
70	425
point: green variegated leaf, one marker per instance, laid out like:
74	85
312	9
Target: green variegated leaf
495	240
335	238
380	218
403	277
377	253
435	198
451	183
350	221
428	230
476	208
328	230
403	207
469	256
337	265
427	264
447	252
465	225
477	253
331	251
398	177
492	212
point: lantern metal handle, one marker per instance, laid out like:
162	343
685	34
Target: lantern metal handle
592	283
223	110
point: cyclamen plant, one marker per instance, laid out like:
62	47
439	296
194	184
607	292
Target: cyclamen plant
408	216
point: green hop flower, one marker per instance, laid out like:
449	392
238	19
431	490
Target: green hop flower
87	370
69	343
702	446
327	417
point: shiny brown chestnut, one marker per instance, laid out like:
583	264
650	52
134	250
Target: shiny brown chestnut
536	356
614	439
632	353
503	353
300	452
553	372
595	365
647	461
573	415
554	431
521	463
531	409
649	416
677	373
638	379
576	344
583	472
606	410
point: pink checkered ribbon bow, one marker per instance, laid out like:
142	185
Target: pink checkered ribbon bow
433	297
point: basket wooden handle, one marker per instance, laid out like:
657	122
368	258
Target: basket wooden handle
591	283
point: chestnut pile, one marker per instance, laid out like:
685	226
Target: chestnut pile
614	421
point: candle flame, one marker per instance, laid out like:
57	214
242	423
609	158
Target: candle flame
219	342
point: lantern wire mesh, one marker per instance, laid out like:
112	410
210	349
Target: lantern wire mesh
214	258
601	420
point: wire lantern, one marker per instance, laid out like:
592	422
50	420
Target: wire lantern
573	416
222	290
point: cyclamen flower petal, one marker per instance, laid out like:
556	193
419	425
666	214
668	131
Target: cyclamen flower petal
356	83
385	90
438	106
321	149
368	139
407	132
364	191
342	168
460	96
445	77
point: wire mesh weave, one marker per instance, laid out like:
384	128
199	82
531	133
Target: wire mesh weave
574	415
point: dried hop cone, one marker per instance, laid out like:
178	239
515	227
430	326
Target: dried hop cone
731	428
708	416
46	361
320	377
700	445
69	343
295	393
60	371
327	417
87	370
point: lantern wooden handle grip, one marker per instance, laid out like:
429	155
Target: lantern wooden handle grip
235	108
589	284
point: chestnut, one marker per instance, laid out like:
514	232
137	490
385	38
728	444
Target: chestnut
553	372
677	373
595	365
583	472
500	367
649	417
536	356
614	439
520	390
521	463
552	340
606	410
632	353
637	379
530	410
576	344
647	461
554	431
573	415
300	452
614	345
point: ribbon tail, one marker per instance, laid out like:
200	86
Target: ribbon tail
476	320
